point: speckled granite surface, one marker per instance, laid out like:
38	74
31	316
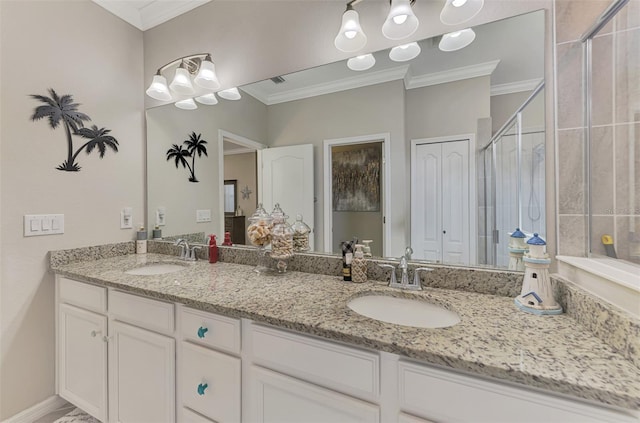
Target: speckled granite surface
493	338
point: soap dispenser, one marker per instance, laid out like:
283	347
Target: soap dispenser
213	249
359	266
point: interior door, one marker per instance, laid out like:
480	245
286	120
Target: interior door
440	225
286	177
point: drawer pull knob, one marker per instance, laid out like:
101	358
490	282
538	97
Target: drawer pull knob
202	387
202	331
95	333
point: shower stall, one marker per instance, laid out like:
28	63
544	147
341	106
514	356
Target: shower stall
514	180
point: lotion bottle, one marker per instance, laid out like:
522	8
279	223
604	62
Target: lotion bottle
359	266
141	241
213	249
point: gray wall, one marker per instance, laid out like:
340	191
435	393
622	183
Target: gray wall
77	48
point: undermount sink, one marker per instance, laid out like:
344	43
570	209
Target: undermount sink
404	311
155	269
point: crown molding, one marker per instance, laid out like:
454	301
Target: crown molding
152	13
515	87
451	75
370	78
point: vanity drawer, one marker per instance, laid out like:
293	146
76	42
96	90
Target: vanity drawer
211	330
210	383
437	395
349	370
82	294
140	311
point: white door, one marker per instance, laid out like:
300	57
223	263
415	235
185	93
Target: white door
282	399
440	225
82	359
142	375
287	178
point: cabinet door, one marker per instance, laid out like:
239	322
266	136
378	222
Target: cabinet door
281	399
82	359
142	375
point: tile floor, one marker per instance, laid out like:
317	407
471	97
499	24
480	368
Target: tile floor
67	414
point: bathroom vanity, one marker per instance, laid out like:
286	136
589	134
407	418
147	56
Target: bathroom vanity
221	343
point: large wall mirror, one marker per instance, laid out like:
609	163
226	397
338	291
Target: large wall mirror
421	152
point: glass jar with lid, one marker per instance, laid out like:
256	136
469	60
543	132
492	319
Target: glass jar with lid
281	235
301	233
259	233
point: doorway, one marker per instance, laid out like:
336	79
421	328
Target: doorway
443	217
356	183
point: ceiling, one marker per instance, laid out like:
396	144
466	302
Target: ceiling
145	14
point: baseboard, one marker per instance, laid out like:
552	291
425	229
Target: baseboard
51	404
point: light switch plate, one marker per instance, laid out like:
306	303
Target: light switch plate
43	224
126	218
203	216
161	217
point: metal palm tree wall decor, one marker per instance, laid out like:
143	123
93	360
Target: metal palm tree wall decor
62	109
194	145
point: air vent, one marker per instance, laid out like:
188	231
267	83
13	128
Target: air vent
277	79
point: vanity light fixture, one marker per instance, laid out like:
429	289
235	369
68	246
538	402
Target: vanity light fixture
350	37
187	104
401	21
404	52
361	63
208	99
457	40
230	94
194	76
456	12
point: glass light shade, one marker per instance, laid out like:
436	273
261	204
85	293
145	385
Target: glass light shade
230	94
361	63
181	83
456	12
401	21
206	77
350	37
404	52
457	40
208	99
187	104
158	89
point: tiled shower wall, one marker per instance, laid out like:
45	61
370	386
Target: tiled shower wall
616	126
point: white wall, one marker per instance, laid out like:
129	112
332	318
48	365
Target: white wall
77	48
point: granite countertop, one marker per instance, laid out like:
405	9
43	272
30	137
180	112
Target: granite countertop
493	338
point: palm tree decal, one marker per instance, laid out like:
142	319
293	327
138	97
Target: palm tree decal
62	109
195	145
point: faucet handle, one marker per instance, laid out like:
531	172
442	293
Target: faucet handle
417	284
392	280
192	253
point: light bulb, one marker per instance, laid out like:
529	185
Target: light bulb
458	3
400	19
350	34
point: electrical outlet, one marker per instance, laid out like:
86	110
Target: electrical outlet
161	216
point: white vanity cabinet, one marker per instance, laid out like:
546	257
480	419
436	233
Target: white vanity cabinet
294	378
209	369
100	347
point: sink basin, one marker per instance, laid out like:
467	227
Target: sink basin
404	311
155	269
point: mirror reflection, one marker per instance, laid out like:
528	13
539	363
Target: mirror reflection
402	153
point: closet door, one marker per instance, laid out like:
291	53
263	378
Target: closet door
455	202
426	212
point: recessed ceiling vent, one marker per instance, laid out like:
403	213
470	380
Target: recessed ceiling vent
277	79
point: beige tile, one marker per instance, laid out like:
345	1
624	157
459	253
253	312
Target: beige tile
629	16
627	239
574	17
570	85
602	170
600	225
602	81
627	168
570	172
627	74
571	236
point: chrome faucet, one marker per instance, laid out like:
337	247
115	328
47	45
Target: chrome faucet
404	283
186	252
